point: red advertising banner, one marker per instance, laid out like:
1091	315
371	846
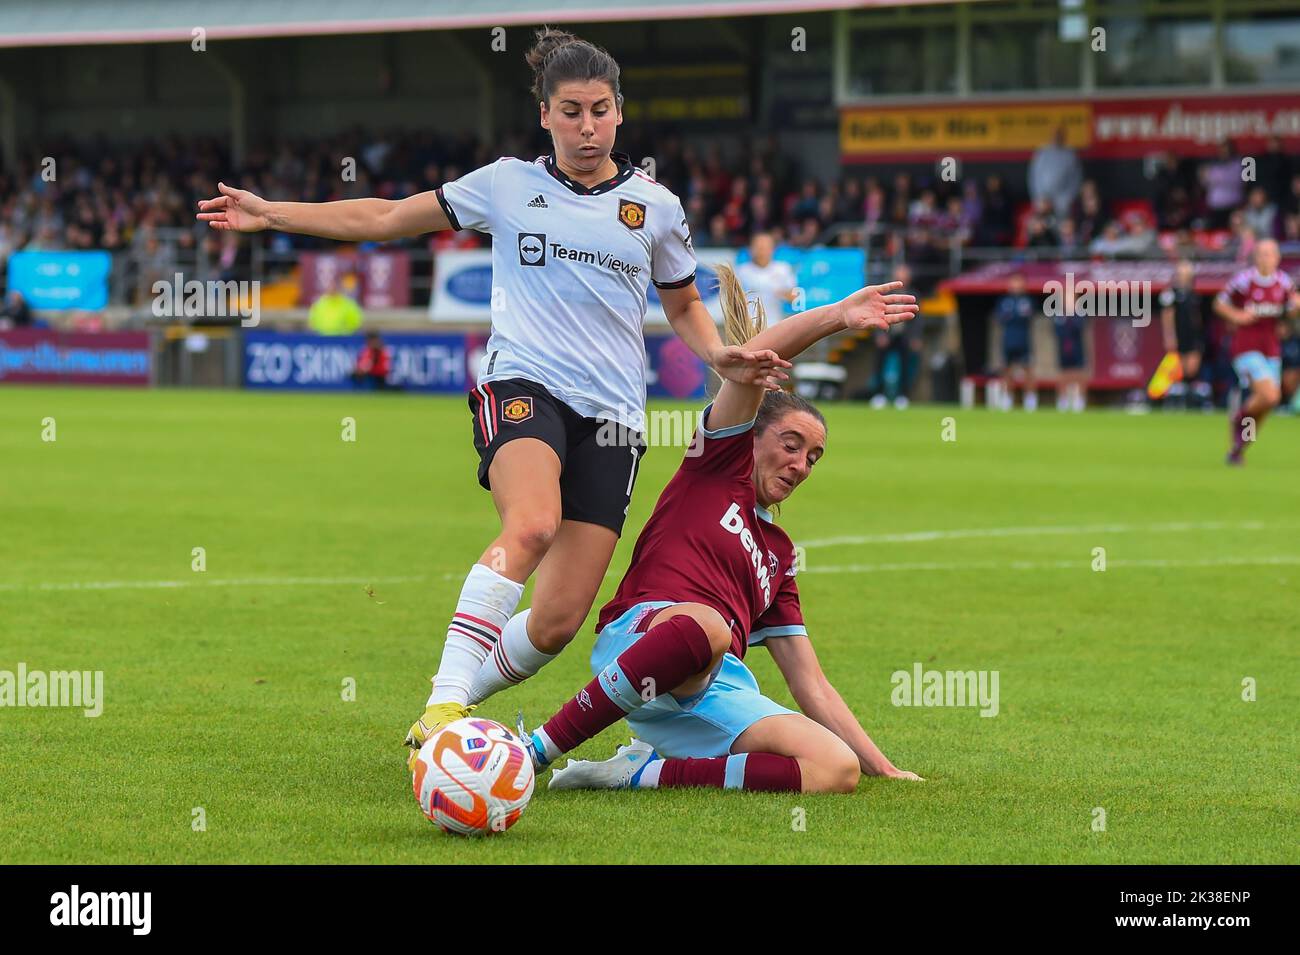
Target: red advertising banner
42	355
1102	128
1192	125
375	279
1125	352
385	280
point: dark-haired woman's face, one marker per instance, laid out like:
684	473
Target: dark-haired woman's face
784	455
583	118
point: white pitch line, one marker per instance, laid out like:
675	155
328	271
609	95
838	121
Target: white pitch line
218	582
907	537
896	538
1079	564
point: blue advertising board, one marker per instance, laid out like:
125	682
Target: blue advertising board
433	363
61	280
304	362
673	371
825	275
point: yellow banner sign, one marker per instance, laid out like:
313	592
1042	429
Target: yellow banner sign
936	130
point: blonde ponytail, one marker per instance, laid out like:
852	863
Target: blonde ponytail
739	324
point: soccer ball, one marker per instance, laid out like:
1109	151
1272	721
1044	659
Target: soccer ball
473	777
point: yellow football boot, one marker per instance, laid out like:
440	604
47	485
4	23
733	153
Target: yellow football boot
436	716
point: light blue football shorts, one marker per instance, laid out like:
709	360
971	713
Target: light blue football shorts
704	725
1253	366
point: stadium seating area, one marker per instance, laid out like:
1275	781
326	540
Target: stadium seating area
140	199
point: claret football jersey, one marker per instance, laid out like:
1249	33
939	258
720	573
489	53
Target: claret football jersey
1268	298
708	541
570	269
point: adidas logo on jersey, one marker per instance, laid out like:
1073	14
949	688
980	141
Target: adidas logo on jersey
538	202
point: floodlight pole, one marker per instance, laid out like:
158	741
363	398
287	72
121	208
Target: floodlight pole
484	64
238	108
8	124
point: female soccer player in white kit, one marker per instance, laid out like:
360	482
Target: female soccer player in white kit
577	236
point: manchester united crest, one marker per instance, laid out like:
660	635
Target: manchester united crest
631	214
517	409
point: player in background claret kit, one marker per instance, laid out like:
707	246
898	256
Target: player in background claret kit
1255	302
578	235
711	575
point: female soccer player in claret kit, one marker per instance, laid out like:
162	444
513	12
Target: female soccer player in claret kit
1255	302
577	236
711	575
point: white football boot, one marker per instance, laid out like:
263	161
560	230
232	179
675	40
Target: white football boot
531	744
613	773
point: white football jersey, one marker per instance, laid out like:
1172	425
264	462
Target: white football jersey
570	268
765	281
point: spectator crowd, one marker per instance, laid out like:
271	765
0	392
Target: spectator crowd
97	195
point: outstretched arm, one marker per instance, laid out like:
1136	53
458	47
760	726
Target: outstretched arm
823	704
690	319
876	306
348	220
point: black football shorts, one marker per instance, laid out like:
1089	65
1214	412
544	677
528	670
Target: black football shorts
599	460
1291	352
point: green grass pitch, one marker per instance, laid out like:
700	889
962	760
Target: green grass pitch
1120	690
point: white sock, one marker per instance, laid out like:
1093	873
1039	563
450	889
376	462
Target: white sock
549	750
513	660
648	776
1031	401
486	602
1080	398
